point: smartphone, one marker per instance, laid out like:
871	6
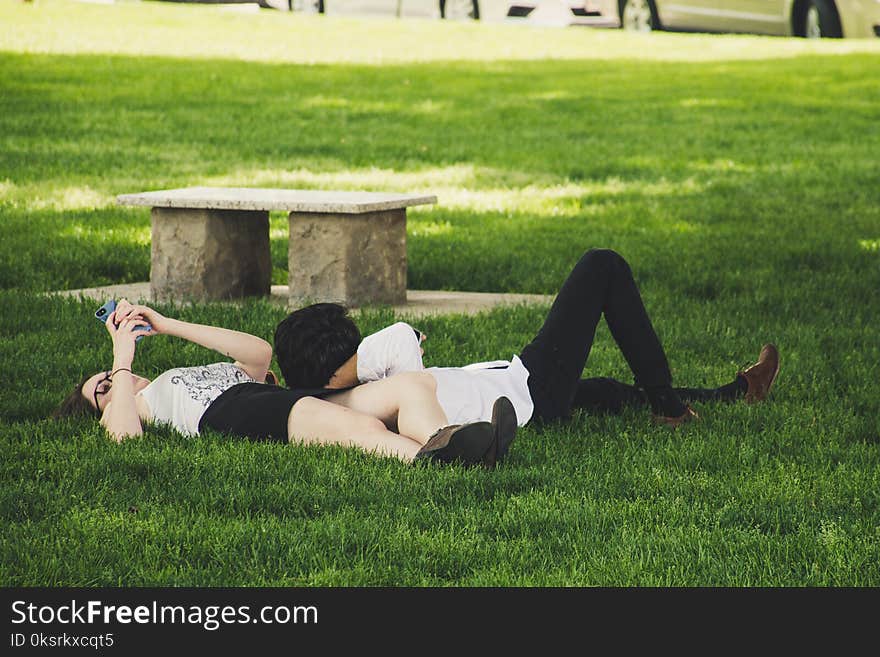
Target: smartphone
102	313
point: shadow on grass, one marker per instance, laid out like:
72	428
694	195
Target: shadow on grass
666	162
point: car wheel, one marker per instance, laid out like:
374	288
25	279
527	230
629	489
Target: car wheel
820	20
639	16
460	10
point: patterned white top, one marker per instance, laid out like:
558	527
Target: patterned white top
181	396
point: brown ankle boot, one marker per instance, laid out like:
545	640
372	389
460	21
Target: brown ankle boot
762	374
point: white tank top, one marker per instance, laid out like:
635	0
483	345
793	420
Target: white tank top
181	396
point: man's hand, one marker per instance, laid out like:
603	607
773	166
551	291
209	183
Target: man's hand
422	337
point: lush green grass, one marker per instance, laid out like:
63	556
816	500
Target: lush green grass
738	174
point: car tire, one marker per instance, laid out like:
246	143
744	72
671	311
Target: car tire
820	20
460	10
639	16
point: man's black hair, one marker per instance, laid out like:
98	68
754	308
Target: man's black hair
313	342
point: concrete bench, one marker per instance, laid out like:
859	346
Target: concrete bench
211	243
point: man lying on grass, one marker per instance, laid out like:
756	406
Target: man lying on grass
320	346
233	398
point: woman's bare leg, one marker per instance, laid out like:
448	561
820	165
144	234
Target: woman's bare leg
313	420
406	402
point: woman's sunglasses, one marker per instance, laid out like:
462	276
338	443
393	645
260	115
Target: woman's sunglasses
103	387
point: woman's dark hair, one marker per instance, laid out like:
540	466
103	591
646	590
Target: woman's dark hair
75	404
313	342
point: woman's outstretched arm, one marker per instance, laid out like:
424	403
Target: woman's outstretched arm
251	354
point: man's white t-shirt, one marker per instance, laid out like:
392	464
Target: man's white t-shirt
466	394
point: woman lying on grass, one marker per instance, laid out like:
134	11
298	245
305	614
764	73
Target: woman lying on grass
320	345
230	397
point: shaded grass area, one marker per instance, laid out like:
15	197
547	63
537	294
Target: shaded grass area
743	192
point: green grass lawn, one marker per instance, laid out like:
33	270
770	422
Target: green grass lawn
739	175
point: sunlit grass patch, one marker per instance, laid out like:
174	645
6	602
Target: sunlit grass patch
36	197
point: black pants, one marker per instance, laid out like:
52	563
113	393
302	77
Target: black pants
600	283
603	395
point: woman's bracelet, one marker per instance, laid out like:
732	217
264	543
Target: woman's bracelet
121	369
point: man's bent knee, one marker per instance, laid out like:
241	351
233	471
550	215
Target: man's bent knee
604	255
607	259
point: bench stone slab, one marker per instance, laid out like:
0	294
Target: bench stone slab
289	200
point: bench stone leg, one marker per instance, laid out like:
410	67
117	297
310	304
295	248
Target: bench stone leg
209	254
355	259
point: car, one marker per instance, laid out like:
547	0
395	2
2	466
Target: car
447	9
569	12
561	12
804	18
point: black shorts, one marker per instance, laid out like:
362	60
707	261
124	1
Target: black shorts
256	411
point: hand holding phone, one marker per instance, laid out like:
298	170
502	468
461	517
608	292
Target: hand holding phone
102	313
421	338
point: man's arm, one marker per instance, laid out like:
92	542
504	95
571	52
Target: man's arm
346	376
389	351
380	355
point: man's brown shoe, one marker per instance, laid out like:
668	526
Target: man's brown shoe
762	374
674	422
